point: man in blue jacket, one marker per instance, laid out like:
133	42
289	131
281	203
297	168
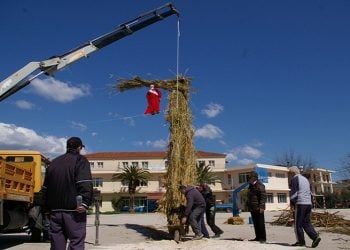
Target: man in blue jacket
68	194
300	202
195	209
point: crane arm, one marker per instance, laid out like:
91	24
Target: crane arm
25	75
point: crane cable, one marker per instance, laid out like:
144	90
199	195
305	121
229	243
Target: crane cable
177	61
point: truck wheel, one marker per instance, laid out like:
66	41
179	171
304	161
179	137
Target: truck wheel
35	234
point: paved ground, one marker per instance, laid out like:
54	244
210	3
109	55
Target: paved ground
149	231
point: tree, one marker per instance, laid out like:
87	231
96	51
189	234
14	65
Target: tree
290	158
133	176
345	166
204	174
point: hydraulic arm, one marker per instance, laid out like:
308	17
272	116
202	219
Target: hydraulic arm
32	70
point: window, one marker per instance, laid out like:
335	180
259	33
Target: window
100	164
315	179
201	163
270	174
280	175
243	177
19	158
327	178
269	197
92	164
97	182
166	164
125	164
282	198
145	165
135	164
143	184
125	183
212	163
229	180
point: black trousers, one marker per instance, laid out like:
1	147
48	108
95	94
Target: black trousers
259	225
210	215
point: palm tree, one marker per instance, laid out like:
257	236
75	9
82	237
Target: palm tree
133	176
204	174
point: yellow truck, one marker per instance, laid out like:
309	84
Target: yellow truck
21	178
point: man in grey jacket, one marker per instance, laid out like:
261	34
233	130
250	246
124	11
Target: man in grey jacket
300	202
195	209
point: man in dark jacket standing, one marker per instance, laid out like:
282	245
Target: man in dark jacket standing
68	194
256	200
210	209
195	208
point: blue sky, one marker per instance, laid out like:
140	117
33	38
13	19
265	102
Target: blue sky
268	77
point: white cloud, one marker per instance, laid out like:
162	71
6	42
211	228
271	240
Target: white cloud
209	131
158	144
250	152
231	157
212	110
94	134
245	161
58	91
129	120
20	138
22	104
244	154
78	125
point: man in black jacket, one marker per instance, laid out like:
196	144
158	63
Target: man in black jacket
256	200
68	194
194	209
210	209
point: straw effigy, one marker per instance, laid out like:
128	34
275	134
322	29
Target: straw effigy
181	156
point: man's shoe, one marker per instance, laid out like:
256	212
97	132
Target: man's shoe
315	242
298	244
198	237
217	235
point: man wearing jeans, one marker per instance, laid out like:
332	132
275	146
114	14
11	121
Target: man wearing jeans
68	193
195	208
300	199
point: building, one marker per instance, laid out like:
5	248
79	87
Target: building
105	164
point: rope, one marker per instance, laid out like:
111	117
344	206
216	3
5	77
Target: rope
177	61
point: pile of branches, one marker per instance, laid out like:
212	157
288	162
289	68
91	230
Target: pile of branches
332	222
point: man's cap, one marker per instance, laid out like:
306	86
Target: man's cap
294	169
74	143
254	174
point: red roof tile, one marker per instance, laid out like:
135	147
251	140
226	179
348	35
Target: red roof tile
145	155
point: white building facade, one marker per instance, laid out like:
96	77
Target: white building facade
105	164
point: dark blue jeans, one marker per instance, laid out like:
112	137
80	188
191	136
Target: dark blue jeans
67	225
302	221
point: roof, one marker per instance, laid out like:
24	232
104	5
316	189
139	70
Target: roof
145	155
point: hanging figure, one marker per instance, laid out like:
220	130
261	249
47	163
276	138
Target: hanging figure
153	97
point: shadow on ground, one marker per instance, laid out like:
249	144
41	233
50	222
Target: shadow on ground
8	240
150	232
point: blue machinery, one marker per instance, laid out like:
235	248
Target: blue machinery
263	176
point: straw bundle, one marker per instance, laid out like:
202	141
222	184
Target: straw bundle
181	153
